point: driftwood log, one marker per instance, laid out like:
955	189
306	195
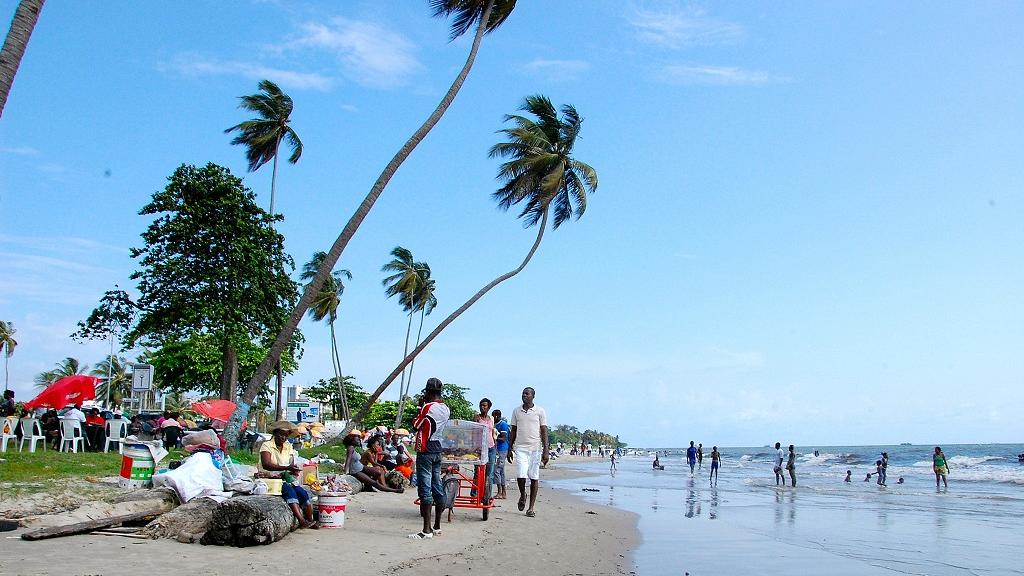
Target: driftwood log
88	526
145	502
186	523
250	521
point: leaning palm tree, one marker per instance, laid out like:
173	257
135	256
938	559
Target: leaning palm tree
115	383
262	136
25	17
66	367
407	279
487	16
540	175
325	306
7	346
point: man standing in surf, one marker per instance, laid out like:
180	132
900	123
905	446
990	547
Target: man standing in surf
528	447
779	457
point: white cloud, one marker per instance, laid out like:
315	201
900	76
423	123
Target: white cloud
19	151
195	65
369	54
714	75
558	69
676	27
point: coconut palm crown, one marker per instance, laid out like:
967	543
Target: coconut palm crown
262	136
466	14
541	172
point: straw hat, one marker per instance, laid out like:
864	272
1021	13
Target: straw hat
283	425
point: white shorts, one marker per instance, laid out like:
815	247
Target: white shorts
527	463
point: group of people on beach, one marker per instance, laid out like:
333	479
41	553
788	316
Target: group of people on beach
790	465
523	442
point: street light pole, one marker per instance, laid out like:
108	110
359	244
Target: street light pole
110	367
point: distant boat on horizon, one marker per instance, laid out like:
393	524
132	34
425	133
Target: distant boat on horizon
905	444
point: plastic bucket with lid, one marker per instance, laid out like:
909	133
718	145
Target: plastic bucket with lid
332	510
136	466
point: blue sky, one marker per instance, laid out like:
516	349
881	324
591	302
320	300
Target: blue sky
809	226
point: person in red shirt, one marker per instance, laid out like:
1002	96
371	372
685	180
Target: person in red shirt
429	425
95	433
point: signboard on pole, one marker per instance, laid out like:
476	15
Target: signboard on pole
302	411
142	377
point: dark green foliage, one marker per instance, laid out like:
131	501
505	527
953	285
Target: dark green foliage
467	14
454	397
114	316
262	136
326	392
569	435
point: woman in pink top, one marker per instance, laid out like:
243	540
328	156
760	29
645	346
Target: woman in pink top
484	418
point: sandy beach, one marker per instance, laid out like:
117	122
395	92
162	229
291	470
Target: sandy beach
568	537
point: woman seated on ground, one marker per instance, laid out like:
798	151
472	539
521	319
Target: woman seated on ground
354	466
372	459
277	459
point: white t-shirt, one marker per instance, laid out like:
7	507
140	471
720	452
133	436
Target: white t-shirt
76	414
528	425
779	456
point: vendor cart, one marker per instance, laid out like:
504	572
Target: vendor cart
464	444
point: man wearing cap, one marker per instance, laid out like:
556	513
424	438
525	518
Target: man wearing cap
528	444
429	425
277	455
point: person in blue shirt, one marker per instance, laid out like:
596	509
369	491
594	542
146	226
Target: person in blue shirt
501	448
691	457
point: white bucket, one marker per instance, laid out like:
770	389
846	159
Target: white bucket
332	510
136	466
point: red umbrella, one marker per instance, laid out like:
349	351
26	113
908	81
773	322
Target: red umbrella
214	409
66	391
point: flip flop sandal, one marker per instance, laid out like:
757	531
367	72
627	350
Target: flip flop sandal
522	504
531	514
436	532
421	536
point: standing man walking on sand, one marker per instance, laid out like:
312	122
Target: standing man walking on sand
779	456
528	444
700	456
429	425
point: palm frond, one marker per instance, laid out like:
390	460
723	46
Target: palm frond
467	14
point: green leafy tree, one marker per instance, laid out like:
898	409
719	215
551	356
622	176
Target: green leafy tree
211	267
7	346
325	307
66	367
454	397
486	15
25	17
115	382
542	176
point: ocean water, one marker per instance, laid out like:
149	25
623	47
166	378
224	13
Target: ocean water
747	525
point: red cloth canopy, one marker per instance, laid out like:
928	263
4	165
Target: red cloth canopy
220	410
66	391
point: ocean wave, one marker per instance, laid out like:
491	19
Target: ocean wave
960	461
830	459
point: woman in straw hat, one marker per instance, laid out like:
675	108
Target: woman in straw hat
278	457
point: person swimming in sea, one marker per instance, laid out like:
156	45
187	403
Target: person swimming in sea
900	481
849	475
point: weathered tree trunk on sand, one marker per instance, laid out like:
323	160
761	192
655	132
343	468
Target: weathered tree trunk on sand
88	526
153	502
186	523
250	521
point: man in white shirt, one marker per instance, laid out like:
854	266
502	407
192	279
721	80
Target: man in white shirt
779	457
76	413
528	443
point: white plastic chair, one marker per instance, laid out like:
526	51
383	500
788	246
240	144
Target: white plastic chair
71	433
116	431
7	432
31	432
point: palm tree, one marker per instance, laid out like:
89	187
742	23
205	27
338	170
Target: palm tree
262	136
487	15
67	367
116	383
25	17
542	176
326	306
7	346
405	283
425	302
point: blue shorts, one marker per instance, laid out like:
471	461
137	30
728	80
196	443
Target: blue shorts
293	494
428	478
714	465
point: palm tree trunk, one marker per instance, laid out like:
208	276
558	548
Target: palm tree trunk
440	327
7	375
402	385
419	333
280	392
273	174
234	426
336	362
25	17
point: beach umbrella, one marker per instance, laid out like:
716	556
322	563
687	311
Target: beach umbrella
217	410
68	390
